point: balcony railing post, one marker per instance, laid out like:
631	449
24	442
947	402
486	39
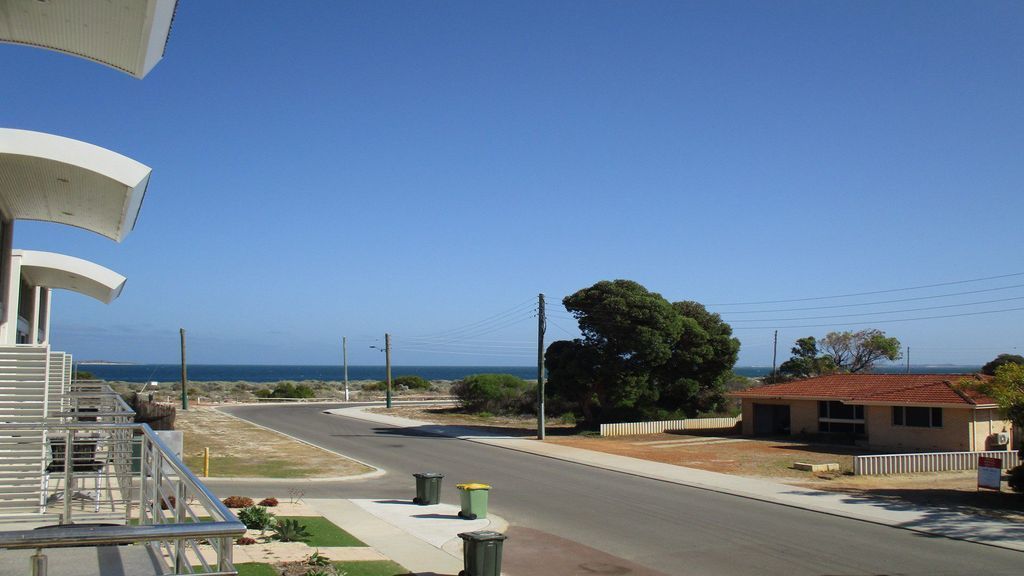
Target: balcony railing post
69	447
143	487
225	560
179	518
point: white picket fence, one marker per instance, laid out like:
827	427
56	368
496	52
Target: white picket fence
927	462
636	428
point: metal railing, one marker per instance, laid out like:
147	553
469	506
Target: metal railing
141	492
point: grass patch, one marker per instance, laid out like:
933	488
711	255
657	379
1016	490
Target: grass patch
255	569
351	568
371	568
324	532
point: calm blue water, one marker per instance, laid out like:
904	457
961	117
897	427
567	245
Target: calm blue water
275	373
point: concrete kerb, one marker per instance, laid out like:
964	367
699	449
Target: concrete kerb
984	531
375	473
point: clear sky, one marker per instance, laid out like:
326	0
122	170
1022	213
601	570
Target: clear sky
323	169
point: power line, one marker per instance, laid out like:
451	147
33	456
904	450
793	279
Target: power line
884	321
883	312
876	302
518	308
872	292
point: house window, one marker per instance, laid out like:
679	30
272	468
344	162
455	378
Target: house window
838	418
917	416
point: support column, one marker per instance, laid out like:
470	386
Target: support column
33	329
9	328
47	300
6	304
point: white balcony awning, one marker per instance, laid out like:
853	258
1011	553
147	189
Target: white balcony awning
55	179
60	271
129	35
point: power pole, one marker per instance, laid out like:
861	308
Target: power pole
908	359
775	352
541	326
387	364
344	359
184	374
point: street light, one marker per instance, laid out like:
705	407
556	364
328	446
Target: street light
387	364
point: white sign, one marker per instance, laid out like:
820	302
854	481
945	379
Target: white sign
990	473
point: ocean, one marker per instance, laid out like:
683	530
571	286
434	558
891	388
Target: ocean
276	373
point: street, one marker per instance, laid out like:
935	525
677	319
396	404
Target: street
667	527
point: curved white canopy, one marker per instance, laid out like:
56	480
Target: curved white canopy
52	270
129	35
57	179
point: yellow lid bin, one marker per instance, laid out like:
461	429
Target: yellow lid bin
474	500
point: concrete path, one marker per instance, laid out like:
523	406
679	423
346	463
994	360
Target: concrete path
928	520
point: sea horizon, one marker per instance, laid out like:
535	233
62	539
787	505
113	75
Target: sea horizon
127	372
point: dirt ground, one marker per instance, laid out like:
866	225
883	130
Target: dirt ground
240	449
771	459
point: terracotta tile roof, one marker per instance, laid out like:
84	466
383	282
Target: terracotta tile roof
883	388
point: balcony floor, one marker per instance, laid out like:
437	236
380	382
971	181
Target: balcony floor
135	560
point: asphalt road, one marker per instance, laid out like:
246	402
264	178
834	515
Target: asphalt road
667	527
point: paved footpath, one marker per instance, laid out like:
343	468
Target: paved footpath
928	520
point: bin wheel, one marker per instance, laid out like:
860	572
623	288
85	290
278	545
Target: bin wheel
467	515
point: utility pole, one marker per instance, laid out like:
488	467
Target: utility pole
775	352
908	359
387	364
541	326
344	359
184	374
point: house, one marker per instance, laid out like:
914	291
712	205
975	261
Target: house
900	412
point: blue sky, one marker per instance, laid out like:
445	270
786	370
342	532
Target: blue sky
426	168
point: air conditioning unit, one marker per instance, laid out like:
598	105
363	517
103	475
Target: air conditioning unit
1002	438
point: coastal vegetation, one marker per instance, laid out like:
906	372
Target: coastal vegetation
847	352
503	394
640	356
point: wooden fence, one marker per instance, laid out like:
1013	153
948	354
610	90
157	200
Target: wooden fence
636	428
880	464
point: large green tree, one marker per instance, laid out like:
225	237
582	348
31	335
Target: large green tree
640	355
992	365
806	361
839	352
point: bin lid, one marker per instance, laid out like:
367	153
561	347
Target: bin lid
482	536
429	475
473	486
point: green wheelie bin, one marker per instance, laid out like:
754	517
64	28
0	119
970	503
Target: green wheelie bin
481	553
473	498
428	488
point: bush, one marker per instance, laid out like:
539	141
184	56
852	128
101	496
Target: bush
269	502
245	541
168	503
256	518
1016	481
238	502
496	393
263	393
289	390
411	383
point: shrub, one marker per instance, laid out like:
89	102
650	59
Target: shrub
238	502
1016	481
263	393
375	386
168	503
496	393
256	518
269	502
290	530
411	383
245	541
290	390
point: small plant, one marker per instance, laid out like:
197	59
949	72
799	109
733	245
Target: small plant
268	502
256	518
168	503
238	502
1016	480
290	531
318	559
245	541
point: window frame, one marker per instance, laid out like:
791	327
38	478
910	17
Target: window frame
935	417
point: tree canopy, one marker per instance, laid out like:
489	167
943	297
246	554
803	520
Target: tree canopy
992	365
640	355
840	352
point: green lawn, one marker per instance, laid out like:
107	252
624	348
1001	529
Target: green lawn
372	568
324	532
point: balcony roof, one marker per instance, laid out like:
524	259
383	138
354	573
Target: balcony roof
56	179
128	35
52	270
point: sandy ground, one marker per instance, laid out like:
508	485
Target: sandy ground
759	458
240	449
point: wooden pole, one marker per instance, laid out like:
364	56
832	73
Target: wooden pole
344	359
206	462
184	374
387	361
541	326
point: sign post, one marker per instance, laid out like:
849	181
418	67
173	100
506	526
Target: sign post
990	473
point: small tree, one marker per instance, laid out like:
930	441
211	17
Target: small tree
806	362
1007	389
494	393
859	351
1001	360
411	383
